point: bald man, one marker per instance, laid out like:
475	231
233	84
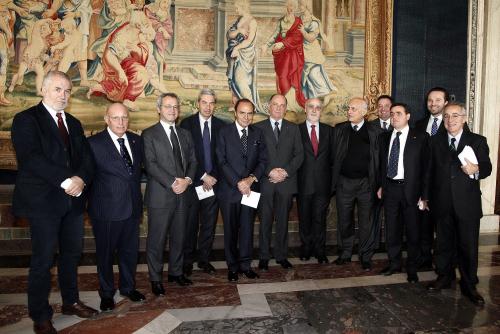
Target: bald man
355	181
115	204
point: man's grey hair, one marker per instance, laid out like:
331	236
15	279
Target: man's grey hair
207	91
160	98
463	111
55	74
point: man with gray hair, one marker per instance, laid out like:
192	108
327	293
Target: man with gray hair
54	167
355	180
171	165
202	215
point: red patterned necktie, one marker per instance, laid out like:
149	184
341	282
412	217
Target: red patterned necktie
314	140
62	129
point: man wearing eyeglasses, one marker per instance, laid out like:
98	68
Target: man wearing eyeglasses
170	164
115	204
454	200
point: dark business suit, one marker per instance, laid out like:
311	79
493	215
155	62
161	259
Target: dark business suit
377	206
360	191
315	190
276	199
376	122
166	210
233	167
400	199
44	162
455	204
202	214
115	209
427	224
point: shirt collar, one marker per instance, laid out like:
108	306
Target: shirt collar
404	131
309	124
52	111
457	137
274	121
239	127
439	117
360	124
166	125
114	137
202	119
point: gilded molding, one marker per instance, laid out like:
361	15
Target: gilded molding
378	50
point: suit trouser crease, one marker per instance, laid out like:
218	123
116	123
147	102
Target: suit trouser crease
201	223
121	238
351	192
46	233
163	221
313	211
238	229
401	216
276	205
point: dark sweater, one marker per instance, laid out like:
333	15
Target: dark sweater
357	158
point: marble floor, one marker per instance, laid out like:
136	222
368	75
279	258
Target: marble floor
310	298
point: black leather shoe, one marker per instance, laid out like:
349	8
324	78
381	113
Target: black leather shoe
388	271
304	258
250	274
263	265
285	264
206	267
44	327
473	296
107	304
322	259
412	278
187	269
181	280
340	261
439	284
157	288
134	296
366	265
232	276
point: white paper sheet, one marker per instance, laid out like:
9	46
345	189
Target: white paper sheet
468	153
202	194
252	200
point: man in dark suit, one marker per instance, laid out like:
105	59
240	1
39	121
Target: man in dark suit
202	216
355	180
454	200
285	155
115	204
384	103
314	182
242	159
171	165
402	168
54	166
437	98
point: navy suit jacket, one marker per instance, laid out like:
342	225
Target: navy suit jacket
114	193
421	125
44	163
462	192
415	159
233	166
192	124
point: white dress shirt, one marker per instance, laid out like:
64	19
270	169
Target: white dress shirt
402	143
114	137
431	120
239	127
202	124
280	121
53	113
360	124
308	125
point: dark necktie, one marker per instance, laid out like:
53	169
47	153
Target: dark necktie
355	128
62	129
392	168
453	148
206	149
244	142
384	125
434	128
314	140
276	131
125	155
176	147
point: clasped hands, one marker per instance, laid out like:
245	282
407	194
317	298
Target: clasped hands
180	185
208	182
76	186
277	175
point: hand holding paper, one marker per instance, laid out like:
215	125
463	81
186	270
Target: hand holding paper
469	161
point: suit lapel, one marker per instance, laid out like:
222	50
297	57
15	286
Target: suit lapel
464	139
47	122
114	154
409	147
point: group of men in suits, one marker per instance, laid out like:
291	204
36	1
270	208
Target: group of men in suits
360	162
